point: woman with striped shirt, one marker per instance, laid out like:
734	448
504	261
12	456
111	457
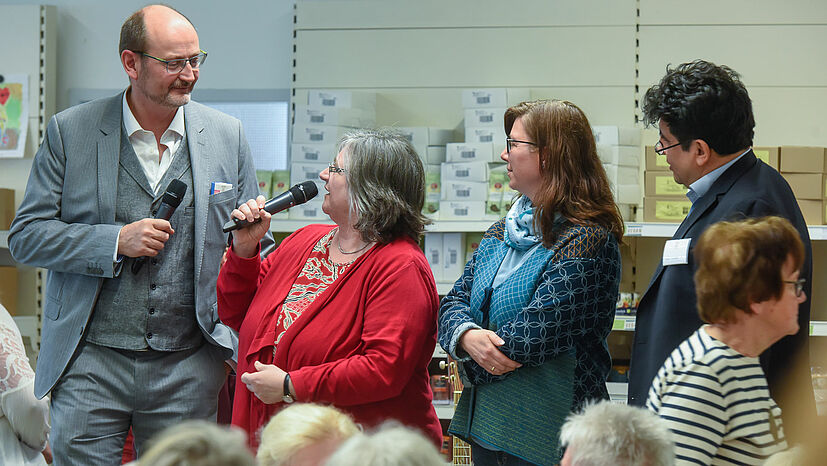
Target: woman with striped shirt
711	390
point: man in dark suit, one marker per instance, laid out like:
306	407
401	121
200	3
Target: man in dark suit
706	123
133	346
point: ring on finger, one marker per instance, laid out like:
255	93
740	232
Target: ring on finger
493	368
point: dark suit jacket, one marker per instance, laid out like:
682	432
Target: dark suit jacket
667	313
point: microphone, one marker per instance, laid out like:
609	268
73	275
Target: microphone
298	194
171	200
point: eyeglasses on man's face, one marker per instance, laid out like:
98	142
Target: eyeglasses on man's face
798	285
333	168
511	144
176	66
660	150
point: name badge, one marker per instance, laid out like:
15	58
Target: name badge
676	251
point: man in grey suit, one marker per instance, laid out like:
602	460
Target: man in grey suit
127	346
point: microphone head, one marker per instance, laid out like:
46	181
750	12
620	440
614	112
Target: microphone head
304	191
174	193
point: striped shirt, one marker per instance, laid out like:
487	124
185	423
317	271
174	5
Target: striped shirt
717	404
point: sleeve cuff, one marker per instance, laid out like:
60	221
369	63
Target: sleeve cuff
453	347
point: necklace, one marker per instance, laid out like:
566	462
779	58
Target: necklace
339	246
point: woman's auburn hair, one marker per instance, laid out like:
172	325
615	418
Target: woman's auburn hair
574	183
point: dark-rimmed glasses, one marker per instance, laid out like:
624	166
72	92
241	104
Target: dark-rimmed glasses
509	144
176	66
799	286
332	168
660	150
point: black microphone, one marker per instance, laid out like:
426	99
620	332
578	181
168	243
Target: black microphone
171	200
298	194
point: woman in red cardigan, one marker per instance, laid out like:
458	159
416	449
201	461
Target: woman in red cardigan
339	314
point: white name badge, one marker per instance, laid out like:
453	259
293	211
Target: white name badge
676	251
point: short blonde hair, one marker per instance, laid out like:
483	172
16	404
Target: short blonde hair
300	425
740	263
198	443
391	443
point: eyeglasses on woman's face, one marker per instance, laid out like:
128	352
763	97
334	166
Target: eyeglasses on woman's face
798	286
333	168
511	144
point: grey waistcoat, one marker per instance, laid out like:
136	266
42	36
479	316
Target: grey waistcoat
155	308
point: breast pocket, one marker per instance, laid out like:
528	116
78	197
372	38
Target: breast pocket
221	206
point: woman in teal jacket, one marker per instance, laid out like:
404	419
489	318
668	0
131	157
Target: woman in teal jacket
529	318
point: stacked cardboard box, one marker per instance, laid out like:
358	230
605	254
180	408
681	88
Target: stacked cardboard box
619	151
317	127
430	143
664	199
804	169
446	254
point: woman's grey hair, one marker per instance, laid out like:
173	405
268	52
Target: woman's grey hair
618	434
391	444
386	182
198	443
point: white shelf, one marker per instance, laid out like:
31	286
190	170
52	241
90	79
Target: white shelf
439	352
627	323
444	411
818	328
667	230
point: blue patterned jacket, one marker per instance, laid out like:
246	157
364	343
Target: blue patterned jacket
554	313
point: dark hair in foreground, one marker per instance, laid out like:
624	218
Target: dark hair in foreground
702	100
574	182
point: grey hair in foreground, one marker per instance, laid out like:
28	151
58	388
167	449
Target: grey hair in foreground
198	443
391	444
618	434
386	181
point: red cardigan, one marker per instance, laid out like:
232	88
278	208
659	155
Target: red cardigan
364	345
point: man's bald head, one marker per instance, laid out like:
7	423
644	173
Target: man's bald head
137	28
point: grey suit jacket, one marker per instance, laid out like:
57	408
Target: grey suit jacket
66	222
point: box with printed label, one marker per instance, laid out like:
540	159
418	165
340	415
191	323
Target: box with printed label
321	134
426	135
310	210
494	97
453	256
496	136
472	242
280	183
6	208
306	171
618	174
768	155
812	210
663	184
483	117
627	156
626	193
654	161
465	171
433	253
313	153
8	288
494	205
321	98
265	183
432	155
433	190
616	135
461	210
665	209
806	185
800	159
334	116
471	152
453	190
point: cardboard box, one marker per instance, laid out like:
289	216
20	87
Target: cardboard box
464	190
616	135
655	162
453	256
334	116
313	153
618	174
265	183
281	183
472	242
482	117
768	155
471	152
664	209
627	193
461	210
495	136
806	185
433	253
322	98
426	135
318	134
663	184
494	97
8	289
310	210
465	171
494	206
430	208
306	171
431	155
812	210
800	159
6	208
627	156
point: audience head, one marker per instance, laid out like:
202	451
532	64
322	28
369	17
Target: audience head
390	445
701	100
618	434
742	263
386	181
198	443
303	433
572	180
